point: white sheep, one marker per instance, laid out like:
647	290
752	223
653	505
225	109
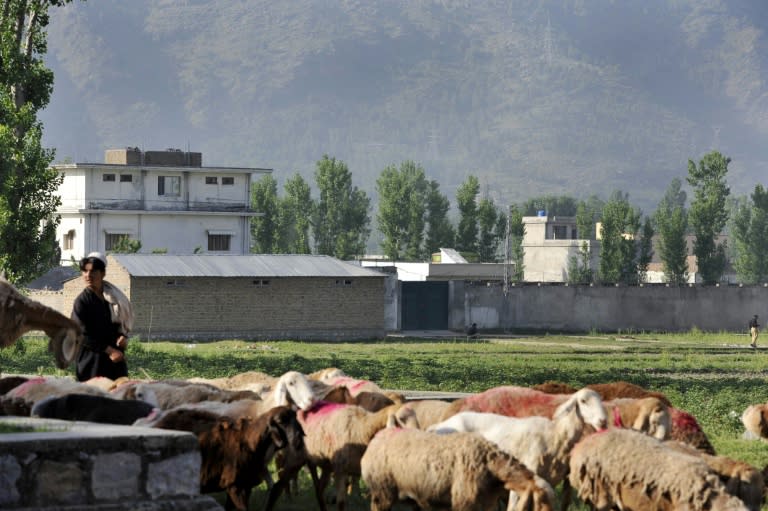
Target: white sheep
541	444
255	381
625	469
337	435
461	472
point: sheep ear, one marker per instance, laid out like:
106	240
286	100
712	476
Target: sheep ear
566	408
281	394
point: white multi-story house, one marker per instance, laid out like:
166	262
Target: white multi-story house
165	199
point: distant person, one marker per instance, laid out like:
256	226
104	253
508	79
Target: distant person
754	330
472	331
106	317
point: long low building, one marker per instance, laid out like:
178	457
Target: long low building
303	297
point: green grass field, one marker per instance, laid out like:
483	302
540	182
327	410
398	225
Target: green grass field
714	376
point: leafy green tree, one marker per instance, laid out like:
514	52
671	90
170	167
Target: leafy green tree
126	245
466	199
294	217
554	205
440	231
580	266
488	235
586	216
402	210
618	251
708	213
750	235
516	235
264	230
645	249
671	219
28	200
340	221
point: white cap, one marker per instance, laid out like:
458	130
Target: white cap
99	256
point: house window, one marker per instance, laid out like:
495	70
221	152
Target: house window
560	232
169	186
218	242
175	283
227	180
69	240
112	240
211	180
126	178
108	177
261	283
344	282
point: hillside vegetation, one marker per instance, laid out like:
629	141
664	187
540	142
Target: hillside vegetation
533	96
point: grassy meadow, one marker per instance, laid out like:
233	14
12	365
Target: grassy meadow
714	376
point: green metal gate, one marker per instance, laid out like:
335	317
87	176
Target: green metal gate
424	305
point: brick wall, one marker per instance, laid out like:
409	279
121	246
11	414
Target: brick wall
243	307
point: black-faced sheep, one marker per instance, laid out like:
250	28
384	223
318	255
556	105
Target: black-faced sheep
236	453
86	407
20	314
461	472
337	435
624	469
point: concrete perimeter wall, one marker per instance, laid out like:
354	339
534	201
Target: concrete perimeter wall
606	308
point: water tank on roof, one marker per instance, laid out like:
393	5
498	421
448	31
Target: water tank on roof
541	212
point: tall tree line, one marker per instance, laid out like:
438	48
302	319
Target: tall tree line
28	186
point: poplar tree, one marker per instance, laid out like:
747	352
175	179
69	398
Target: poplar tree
671	219
466	199
750	235
440	231
402	211
264	228
28	185
294	217
340	221
708	213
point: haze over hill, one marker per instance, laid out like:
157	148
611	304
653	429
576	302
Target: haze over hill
534	97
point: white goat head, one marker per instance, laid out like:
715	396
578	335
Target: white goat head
145	393
588	405
293	388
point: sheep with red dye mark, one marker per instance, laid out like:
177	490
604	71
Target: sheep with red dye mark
623	469
461	472
337	436
21	399
683	426
649	415
541	444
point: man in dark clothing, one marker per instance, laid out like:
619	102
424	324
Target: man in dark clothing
754	330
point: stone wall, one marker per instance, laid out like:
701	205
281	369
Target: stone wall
84	466
557	307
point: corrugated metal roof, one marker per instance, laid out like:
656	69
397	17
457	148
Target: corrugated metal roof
285	265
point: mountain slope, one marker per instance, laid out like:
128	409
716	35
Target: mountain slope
533	96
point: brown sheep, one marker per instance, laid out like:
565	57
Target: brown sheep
236	453
19	315
649	415
337	435
624	469
741	479
461	472
428	411
755	420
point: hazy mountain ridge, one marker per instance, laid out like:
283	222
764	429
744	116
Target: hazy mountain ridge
533	97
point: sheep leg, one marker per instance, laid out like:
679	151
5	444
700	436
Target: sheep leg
565	495
237	498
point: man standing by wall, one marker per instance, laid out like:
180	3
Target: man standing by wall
754	329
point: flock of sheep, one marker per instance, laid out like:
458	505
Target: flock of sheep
615	446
